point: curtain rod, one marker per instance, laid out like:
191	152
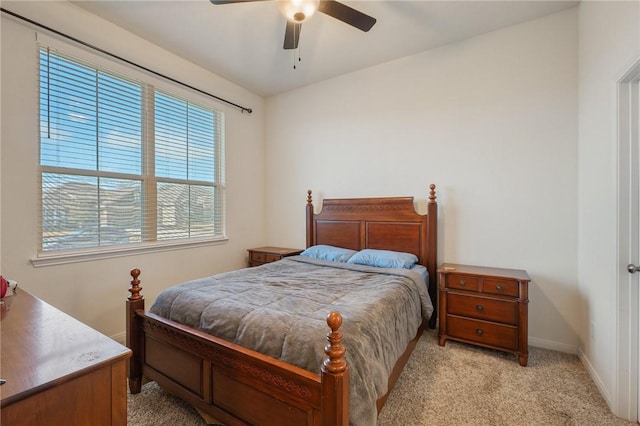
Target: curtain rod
240	107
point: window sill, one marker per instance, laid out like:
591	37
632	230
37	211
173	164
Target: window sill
111	252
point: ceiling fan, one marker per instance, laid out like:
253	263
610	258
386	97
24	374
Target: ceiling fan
299	11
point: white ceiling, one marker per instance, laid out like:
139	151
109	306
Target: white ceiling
242	42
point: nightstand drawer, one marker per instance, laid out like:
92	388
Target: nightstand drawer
497	335
258	256
503	311
270	257
261	255
463	282
502	287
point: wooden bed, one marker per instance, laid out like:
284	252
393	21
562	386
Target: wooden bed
233	385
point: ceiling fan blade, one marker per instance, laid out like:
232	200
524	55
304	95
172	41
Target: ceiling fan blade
232	1
292	35
346	14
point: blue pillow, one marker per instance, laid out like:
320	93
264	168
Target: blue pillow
325	252
384	258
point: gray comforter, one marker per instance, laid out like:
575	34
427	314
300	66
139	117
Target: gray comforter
280	309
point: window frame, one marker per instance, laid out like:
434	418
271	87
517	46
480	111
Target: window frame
148	178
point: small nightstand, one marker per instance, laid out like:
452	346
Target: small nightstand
261	255
485	306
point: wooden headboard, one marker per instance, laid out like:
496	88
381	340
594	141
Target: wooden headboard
389	223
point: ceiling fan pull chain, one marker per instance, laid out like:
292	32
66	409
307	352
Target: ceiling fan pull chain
297	49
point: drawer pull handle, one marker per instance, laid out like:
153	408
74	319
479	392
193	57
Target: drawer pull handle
499	287
462	283
479	332
479	308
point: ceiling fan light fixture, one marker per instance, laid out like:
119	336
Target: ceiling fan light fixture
298	11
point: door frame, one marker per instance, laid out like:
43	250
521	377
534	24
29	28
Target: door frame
628	292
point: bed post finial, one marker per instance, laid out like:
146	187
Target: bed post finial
432	193
432	253
336	362
135	335
309	219
335	377
135	285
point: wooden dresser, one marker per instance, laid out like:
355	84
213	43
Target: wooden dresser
484	306
261	255
58	371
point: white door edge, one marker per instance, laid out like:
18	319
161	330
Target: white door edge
627	400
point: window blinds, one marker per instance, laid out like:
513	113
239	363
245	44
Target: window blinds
122	162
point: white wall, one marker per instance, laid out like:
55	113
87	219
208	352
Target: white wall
492	121
94	292
609	44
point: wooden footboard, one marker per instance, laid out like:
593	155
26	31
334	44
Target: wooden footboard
232	384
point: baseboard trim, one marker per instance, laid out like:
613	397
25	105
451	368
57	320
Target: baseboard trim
554	346
595	377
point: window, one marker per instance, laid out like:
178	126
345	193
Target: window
123	162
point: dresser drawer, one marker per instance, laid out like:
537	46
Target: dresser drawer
496	335
463	282
502	287
504	311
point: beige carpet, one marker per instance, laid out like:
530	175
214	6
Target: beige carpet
453	385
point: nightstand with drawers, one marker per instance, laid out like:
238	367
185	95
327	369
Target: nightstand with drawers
485	307
261	255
